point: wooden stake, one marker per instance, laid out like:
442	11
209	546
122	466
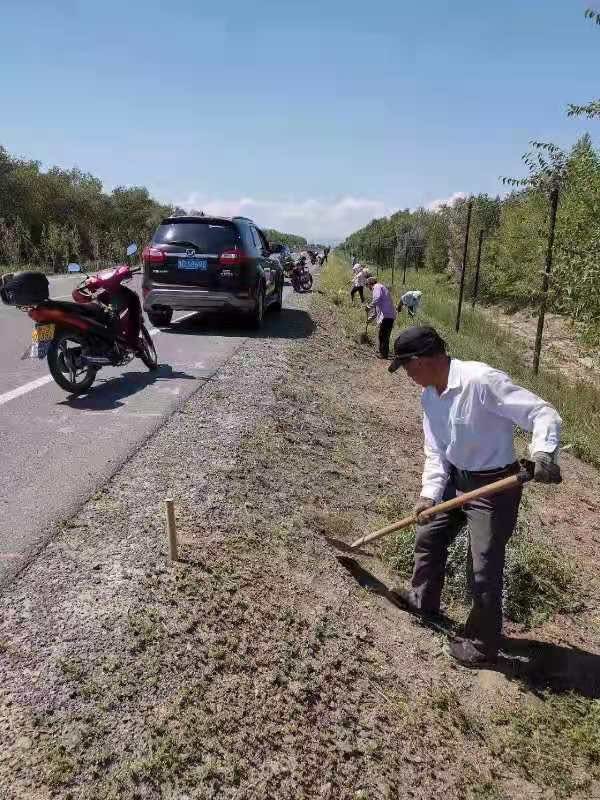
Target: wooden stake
171	529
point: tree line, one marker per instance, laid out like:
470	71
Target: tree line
284	238
51	217
514	232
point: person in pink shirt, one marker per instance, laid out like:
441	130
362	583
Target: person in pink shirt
383	310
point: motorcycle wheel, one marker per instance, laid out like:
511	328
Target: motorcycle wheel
66	367
307	282
147	350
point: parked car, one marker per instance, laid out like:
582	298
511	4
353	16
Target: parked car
198	263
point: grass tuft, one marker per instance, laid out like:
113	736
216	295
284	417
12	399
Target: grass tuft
554	742
538	581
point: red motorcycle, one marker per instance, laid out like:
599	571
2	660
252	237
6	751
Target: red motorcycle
103	327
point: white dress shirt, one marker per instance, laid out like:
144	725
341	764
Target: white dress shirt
471	424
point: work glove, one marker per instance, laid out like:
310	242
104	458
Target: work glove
422	504
546	469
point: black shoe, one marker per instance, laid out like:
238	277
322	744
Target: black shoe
465	652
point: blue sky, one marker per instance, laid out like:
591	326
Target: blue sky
312	116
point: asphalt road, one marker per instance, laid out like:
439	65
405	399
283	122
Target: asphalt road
55	451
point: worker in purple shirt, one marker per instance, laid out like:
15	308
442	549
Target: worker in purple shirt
383	310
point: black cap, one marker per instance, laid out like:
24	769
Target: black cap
415	342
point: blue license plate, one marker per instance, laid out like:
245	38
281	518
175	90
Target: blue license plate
198	264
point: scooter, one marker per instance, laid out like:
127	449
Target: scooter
103	326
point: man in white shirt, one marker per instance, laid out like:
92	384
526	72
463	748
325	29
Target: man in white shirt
411	301
469	414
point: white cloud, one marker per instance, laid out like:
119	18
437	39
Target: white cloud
317	220
435	205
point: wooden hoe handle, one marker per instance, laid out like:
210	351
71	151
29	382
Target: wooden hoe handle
503	485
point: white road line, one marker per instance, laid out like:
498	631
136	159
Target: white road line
27	387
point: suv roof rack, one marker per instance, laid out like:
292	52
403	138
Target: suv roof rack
172	217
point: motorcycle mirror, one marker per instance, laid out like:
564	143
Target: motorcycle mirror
132	249
73	267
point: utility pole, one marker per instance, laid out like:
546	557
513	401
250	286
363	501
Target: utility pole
546	280
476	284
464	265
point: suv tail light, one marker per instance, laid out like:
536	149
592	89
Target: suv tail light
232	258
154	255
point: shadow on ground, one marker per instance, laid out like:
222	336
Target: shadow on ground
290	323
106	396
540	666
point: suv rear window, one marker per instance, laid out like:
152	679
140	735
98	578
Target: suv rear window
207	237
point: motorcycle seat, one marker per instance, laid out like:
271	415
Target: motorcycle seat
93	310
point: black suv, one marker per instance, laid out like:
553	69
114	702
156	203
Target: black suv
205	263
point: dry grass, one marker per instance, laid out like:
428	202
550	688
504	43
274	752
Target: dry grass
481	339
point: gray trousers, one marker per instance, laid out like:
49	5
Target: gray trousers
491	523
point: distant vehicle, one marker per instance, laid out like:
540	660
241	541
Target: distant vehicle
284	255
103	327
200	263
301	278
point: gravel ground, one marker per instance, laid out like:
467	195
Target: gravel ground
257	667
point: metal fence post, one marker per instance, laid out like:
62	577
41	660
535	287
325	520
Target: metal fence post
464	266
476	284
546	280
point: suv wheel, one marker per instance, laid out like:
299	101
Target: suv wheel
161	319
257	316
278	302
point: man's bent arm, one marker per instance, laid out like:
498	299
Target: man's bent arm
525	409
